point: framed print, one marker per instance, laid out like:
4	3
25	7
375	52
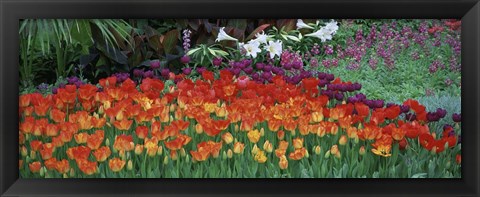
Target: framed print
254	98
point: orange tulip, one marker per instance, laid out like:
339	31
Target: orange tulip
298	154
50	163
62	166
253	136
116	164
47	151
283	163
79	152
227	138
102	153
123	142
238	147
87	167
35	166
142	132
94	141
81	138
123	125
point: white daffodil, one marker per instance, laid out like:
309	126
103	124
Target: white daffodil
323	34
261	38
252	48
332	27
302	25
224	36
274	48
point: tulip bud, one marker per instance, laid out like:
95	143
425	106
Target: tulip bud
343	140
283	163
172	107
138	149
262	132
307	155
362	151
173	155
281	135
160	150
107	142
198	128
229	153
42	171
334	150
254	149
224	155
227	137
65	175
72	172
165	160
182	152
129	165
317	150
101	110
187	159
236	128
448	164
267	146
24	151
27	159
356	140
33	155
27	136
327	154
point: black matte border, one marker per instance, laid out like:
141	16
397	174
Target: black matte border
13	10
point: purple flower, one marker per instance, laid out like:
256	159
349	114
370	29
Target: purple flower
149	74
42	87
137	73
55	90
185	59
248	70
339	96
441	112
267	68
456	117
217	61
155	64
201	69
259	66
187	71
164	72
72	80
404	108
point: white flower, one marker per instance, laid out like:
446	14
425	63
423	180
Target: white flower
302	25
274	48
323	34
261	38
293	38
224	36
252	48
332	27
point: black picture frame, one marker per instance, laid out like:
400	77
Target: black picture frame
13	10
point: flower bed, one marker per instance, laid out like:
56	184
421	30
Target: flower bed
227	127
279	104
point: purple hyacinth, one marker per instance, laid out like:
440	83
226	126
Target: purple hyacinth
137	72
149	74
187	70
42	87
185	59
164	72
457	117
404	108
217	61
186	40
155	64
